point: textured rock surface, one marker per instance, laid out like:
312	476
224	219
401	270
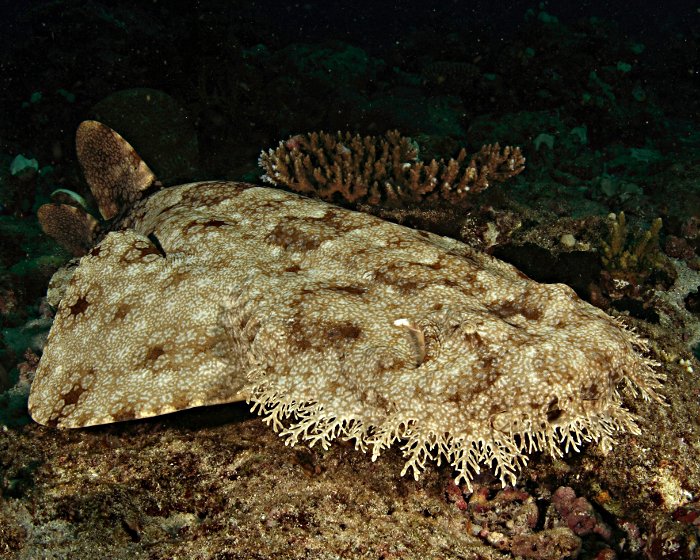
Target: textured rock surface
234	491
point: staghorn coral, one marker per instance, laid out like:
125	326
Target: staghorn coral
374	170
333	323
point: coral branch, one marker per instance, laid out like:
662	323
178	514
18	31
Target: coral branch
383	169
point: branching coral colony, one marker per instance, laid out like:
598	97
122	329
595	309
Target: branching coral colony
383	169
640	254
333	323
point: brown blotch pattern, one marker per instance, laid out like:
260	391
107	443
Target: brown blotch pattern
508	309
79	307
292	238
121	311
72	396
201	225
154	352
341	332
352	290
124	414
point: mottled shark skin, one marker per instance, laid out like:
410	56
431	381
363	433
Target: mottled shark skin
333	323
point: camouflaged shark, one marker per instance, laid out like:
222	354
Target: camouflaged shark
332	323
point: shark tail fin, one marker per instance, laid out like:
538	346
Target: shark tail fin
73	228
117	176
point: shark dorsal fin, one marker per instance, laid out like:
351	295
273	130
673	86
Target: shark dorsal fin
117	176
